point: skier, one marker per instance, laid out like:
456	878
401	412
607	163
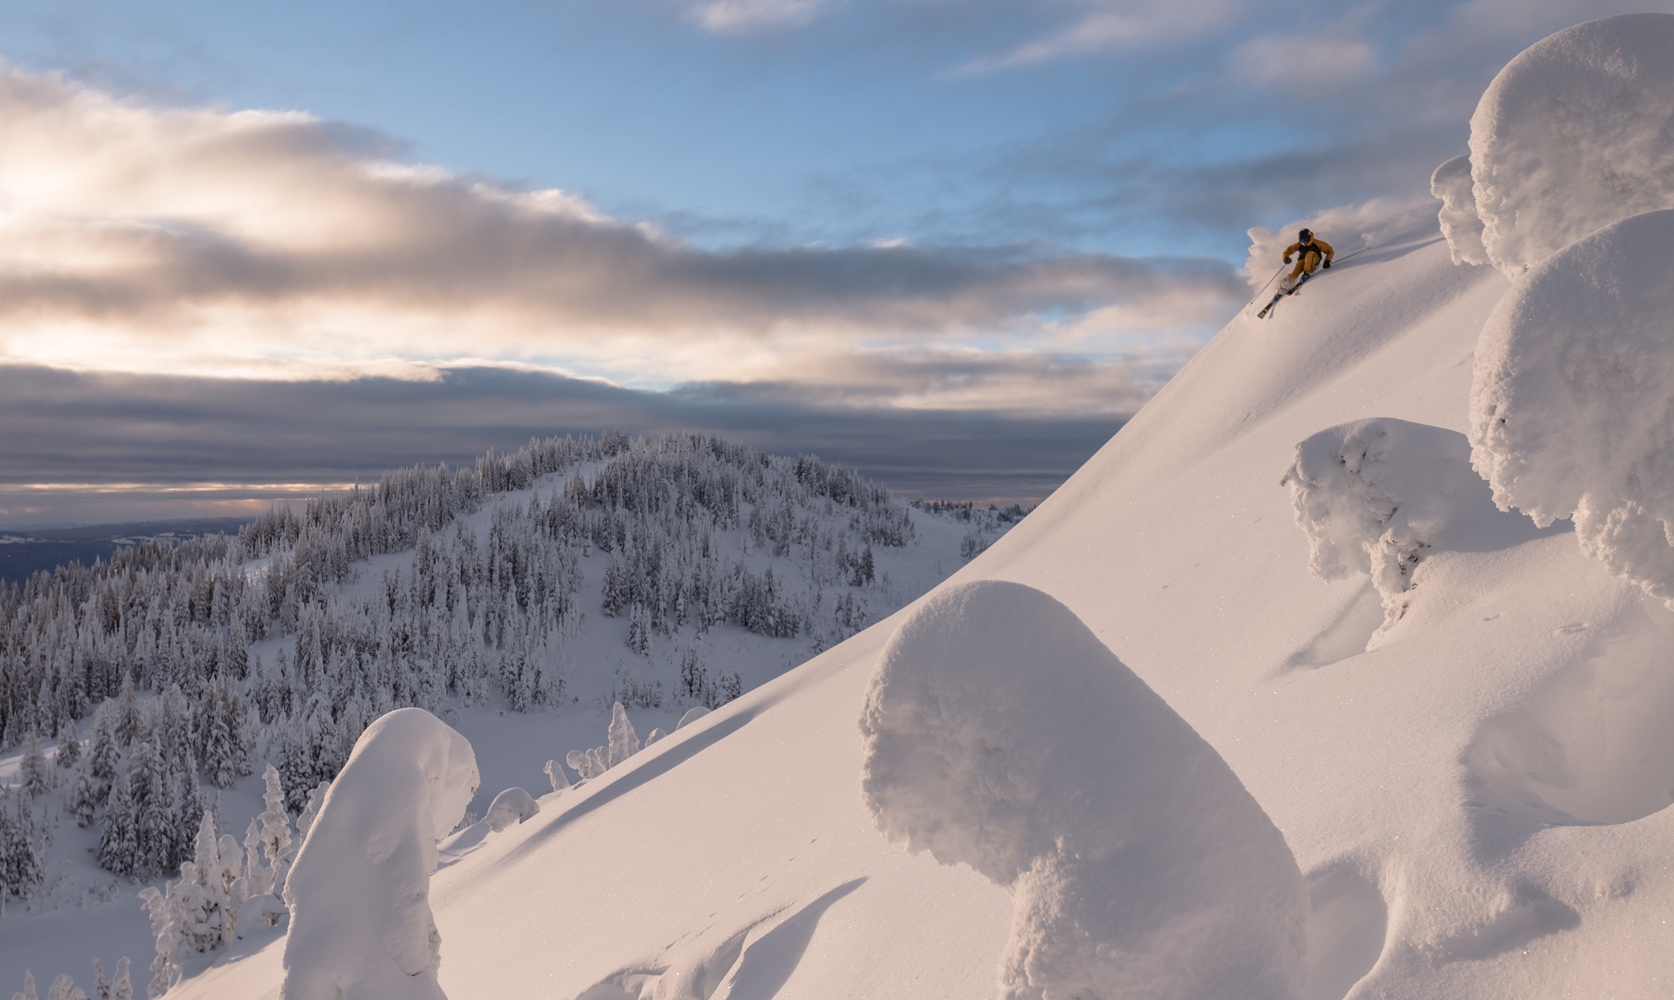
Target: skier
1312	252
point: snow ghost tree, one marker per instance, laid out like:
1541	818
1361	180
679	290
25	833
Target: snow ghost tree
121	988
623	741
1572	403
1001	733
1378	496
1573	134
1460	223
509	808
267	842
359	891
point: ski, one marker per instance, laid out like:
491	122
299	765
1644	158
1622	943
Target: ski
1292	290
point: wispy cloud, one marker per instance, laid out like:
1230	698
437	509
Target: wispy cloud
1302	61
1096	26
733	16
194	240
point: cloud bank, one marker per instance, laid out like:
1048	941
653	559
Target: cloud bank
196	240
89	447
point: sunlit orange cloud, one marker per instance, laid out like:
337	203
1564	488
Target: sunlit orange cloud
267	244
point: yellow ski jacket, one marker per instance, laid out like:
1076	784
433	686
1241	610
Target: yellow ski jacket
1316	245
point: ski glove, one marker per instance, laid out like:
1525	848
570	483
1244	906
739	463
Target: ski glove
1287	260
1328	264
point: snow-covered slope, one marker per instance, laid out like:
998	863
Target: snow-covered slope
1477	802
1470	762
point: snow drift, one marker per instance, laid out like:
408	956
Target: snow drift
359	892
1573	134
1572	405
1001	733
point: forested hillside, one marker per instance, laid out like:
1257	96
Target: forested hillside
182	668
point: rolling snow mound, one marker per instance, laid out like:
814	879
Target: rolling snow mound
1574	133
1001	733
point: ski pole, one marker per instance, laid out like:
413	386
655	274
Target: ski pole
1263	289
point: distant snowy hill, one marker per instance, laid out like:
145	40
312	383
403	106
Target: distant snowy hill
518	599
1393	561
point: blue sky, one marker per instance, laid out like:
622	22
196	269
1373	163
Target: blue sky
856	121
856	126
1031	210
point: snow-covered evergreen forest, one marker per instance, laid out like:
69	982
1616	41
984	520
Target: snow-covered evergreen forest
138	688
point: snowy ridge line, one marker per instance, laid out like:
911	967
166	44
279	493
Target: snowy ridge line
332	532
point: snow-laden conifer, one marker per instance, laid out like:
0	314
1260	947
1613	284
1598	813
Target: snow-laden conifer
28	992
84	798
119	840
208	894
121	987
21	869
69	747
33	770
102	757
305	821
156	810
168	914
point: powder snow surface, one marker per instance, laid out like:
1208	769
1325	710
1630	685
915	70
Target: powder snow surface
1573	134
1002	734
1572	408
359	893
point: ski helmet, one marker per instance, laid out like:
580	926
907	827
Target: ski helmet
1305	235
